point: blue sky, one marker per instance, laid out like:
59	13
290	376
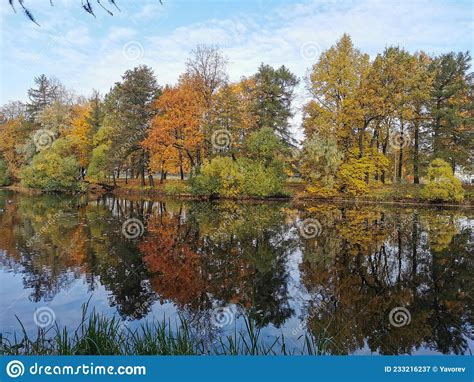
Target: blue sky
86	52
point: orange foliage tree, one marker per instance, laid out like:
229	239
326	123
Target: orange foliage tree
175	139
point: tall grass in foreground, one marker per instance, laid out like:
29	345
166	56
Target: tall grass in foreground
101	335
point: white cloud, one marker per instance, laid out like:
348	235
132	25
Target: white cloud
86	53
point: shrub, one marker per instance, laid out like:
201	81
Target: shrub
441	184
226	177
356	177
264	146
99	170
261	181
220	176
4	175
53	169
319	165
176	188
352	177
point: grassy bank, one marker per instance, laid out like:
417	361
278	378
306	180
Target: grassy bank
101	335
388	193
401	194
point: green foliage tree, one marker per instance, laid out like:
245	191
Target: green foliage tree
320	161
260	180
272	95
265	146
5	179
441	184
47	91
228	178
452	108
129	110
54	169
99	168
96	115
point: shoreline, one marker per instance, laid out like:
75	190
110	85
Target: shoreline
296	199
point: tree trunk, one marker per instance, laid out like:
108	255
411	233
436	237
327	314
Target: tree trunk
181	172
416	154
384	152
377	148
151	182
437	127
400	164
400	156
142	176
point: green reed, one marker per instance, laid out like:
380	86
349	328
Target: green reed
100	335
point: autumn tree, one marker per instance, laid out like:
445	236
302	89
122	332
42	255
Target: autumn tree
232	112
13	110
81	134
441	183
334	84
420	118
347	107
13	133
400	86
87	120
5	179
207	68
176	139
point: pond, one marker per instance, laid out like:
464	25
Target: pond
374	279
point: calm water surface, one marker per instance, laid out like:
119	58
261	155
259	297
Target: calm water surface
341	280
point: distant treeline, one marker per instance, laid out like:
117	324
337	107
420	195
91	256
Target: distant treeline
368	122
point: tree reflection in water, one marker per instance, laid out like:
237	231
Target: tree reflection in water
197	256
